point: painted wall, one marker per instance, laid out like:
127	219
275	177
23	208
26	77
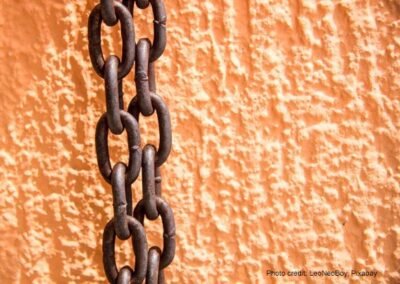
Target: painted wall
286	140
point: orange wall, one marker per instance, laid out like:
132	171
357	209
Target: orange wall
286	139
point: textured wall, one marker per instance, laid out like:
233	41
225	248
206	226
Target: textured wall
286	140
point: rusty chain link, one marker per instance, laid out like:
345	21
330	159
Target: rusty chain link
164	125
126	222
128	40
142	78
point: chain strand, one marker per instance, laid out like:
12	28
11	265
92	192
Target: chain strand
128	222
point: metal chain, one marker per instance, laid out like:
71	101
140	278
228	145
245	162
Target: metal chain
128	223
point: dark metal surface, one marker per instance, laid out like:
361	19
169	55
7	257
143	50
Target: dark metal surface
164	125
125	275
135	152
113	90
142	4
128	195
148	264
139	243
153	275
119	201
120	94
129	4
108	12
159	26
167	218
161	277
141	76
160	30
157	181
128	40
148	182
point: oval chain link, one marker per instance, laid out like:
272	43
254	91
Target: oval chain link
128	40
167	218
139	243
164	125
135	152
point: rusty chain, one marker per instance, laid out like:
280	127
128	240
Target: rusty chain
128	222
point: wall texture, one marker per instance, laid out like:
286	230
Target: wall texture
285	115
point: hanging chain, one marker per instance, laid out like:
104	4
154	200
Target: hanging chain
128	222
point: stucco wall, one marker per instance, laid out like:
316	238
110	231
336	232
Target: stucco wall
286	140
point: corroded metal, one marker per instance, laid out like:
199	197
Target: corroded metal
149	264
128	40
113	90
142	78
139	243
159	27
125	275
119	201
108	12
167	218
154	274
142	4
164	125
148	182
135	152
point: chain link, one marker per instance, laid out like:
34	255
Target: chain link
119	202
127	35
167	218
141	76
112	88
139	243
164	125
127	223
153	275
148	182
135	152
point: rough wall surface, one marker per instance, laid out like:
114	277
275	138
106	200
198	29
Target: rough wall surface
286	138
